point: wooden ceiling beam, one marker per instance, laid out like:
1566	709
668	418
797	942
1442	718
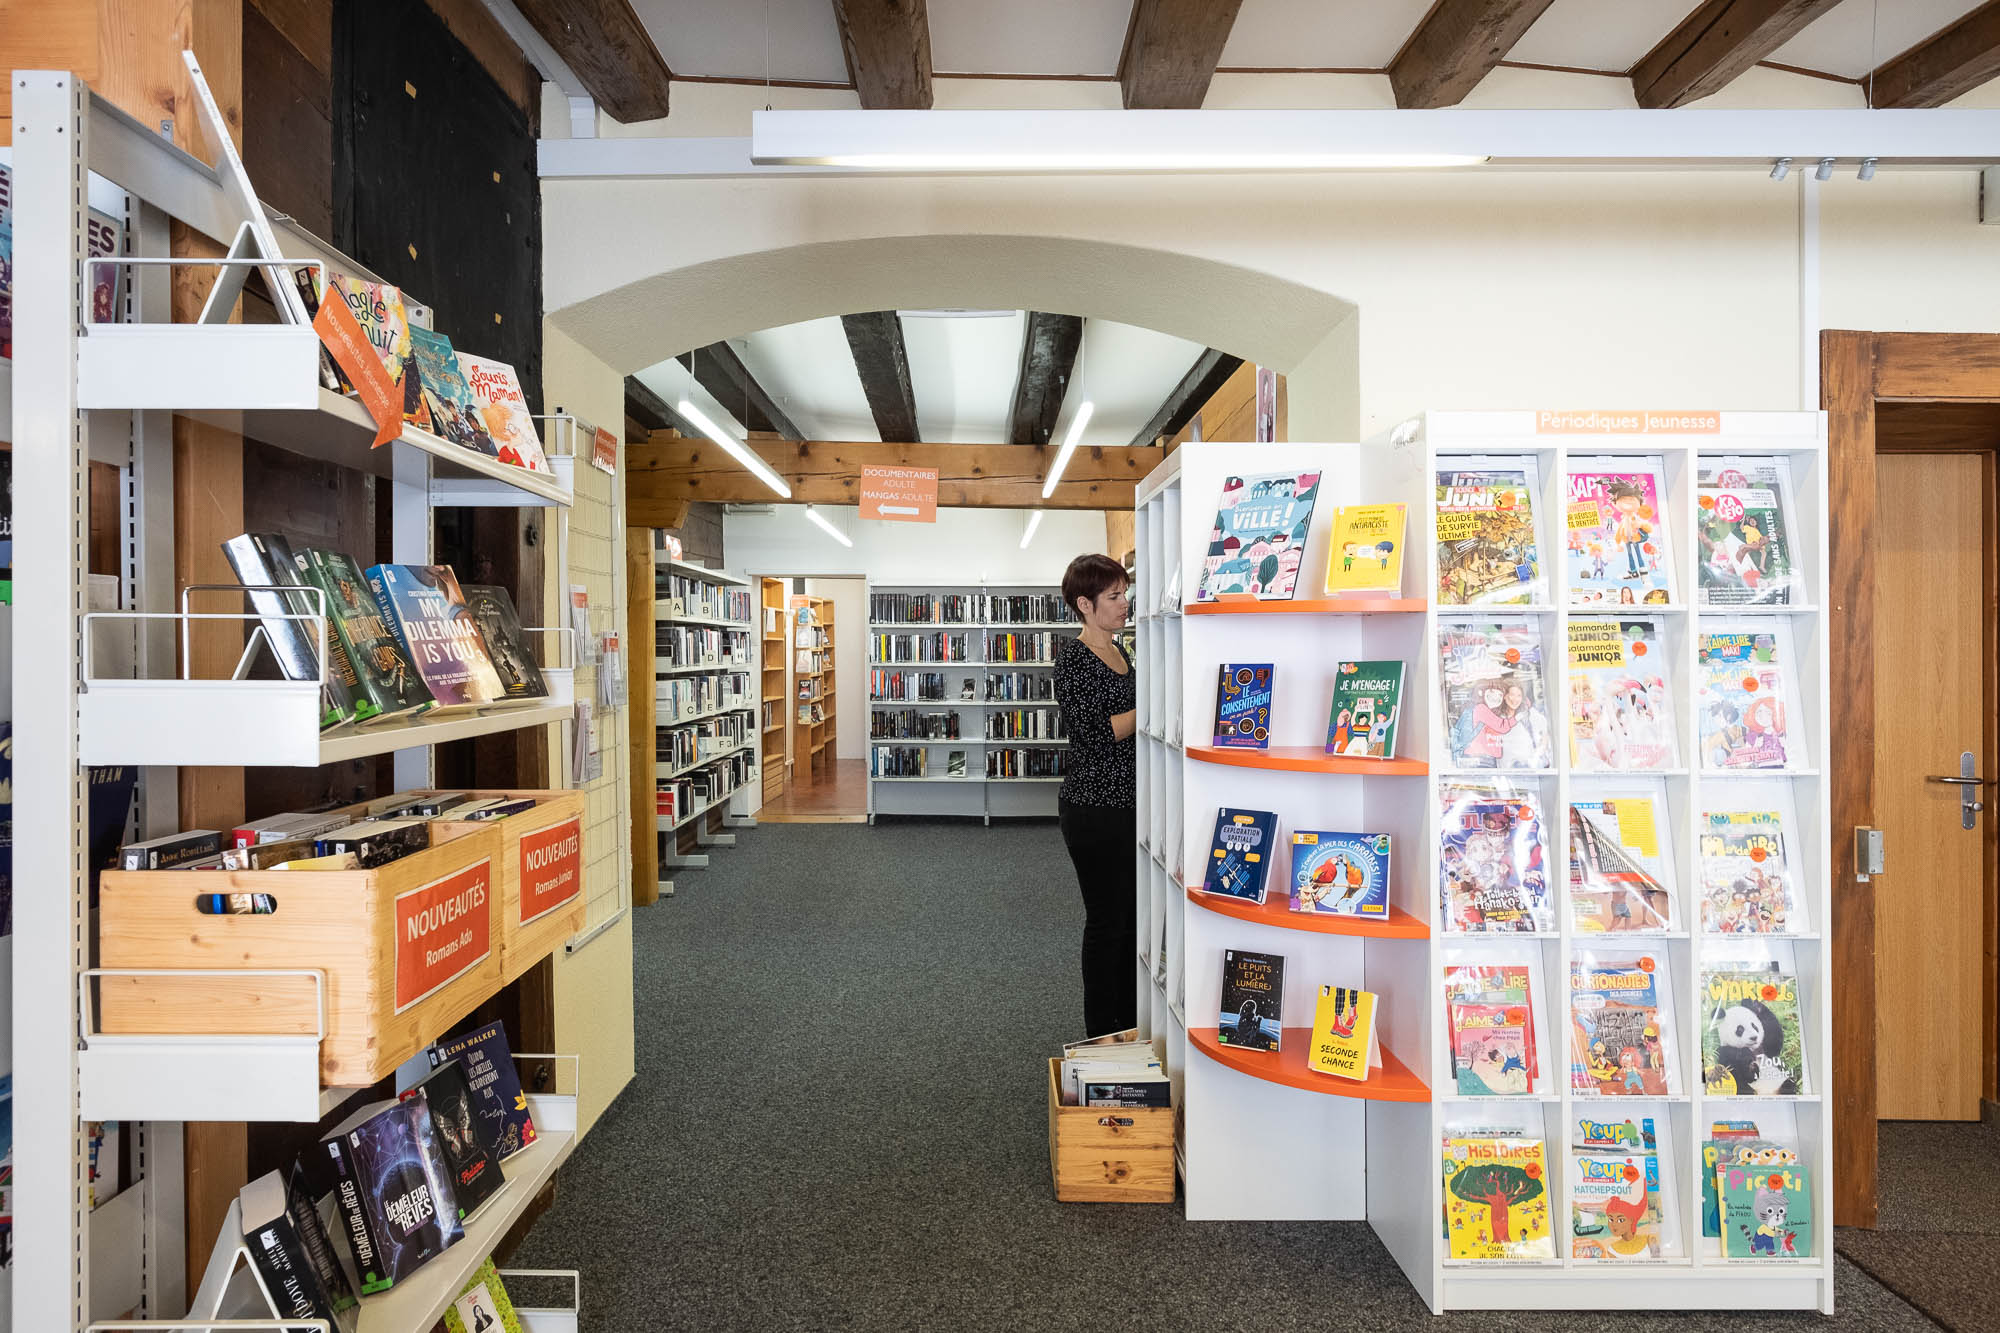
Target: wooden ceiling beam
883	363
1456	45
1715	44
1171	50
662	474
647	408
605	45
887	45
1204	377
1049	346
719	370
1953	62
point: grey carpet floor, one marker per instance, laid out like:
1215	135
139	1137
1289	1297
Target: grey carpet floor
839	1122
1935	1223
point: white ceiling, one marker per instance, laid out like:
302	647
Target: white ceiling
798	40
962	373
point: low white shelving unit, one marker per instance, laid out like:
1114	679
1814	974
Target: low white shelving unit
977	657
705	669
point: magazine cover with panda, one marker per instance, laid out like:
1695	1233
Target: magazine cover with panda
1751	1043
1259	538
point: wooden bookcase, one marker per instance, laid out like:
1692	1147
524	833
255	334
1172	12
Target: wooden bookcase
706	674
812	686
772	701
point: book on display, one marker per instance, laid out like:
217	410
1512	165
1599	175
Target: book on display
1496	1198
1367	705
1243	705
1622	1192
454	412
1746	882
1492	864
1259	537
1732	1142
1752	1044
1745	688
263	561
1496	702
1366	553
1487	553
1621	717
461	1136
505	1122
1767	1210
1340	874
503	412
291	1252
506	643
1742	521
1621	1025
1253	1000
1239	856
383	674
425	609
394	1191
482	1306
1615	545
1344	1040
1620	864
1490	1015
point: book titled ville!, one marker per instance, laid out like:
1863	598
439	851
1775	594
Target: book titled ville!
426	609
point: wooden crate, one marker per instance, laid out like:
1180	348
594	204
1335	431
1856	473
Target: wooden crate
1102	1154
408	950
541	874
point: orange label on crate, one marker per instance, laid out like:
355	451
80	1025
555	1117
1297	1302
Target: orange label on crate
443	931
551	868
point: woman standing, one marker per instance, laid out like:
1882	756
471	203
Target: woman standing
1096	688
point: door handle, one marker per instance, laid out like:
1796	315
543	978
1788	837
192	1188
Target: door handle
1968	783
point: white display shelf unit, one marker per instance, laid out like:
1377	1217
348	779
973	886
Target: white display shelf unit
1698	1276
739	657
938	793
109	393
1363	1158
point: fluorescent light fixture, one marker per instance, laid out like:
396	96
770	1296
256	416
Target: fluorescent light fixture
1034	521
737	450
1076	425
828	528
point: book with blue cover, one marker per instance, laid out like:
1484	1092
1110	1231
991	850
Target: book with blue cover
1239	857
439	634
505	1124
1243	705
1341	874
454	412
1259	537
1253	1000
393	1191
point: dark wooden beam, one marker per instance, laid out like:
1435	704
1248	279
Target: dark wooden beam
1955	61
1204	377
883	363
1048	354
887	44
1171	50
663	474
1715	44
646	407
1455	46
605	45
719	370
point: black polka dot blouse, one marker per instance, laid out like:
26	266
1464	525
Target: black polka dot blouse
1103	770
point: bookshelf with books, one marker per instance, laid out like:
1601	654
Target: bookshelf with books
814	686
1551	997
773	704
961	699
707	670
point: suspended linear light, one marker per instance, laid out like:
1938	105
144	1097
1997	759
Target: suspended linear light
736	449
1034	521
828	528
1076	425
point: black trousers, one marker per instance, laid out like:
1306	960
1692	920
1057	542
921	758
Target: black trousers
1102	841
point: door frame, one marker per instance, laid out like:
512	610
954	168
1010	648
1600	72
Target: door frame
1859	372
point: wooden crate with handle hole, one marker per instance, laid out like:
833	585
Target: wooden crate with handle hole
1109	1154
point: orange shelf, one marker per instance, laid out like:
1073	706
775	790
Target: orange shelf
1393	1082
1307	759
1317	606
1275	910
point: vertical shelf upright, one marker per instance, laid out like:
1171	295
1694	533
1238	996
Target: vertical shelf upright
1685	792
813	683
773	704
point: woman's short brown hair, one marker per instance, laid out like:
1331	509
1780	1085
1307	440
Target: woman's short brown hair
1089	577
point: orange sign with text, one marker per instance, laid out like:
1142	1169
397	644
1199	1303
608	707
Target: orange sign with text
551	868
1628	422
443	930
899	494
341	332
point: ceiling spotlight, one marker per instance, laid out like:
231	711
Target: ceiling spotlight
1034	521
828	528
1867	172
1781	169
1825	172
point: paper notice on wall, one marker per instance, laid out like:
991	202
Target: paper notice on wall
579	623
610	672
579	743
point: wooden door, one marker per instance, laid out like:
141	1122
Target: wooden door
1932	644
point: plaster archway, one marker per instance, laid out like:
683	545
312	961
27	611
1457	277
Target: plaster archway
1262	318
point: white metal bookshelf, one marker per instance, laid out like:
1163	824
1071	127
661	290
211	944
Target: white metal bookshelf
981	675
109	392
702	590
1361	1157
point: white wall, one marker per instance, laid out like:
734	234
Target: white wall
850	661
963	546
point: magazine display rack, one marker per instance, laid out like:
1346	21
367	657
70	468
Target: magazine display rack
1003	700
1383	1155
706	708
84	391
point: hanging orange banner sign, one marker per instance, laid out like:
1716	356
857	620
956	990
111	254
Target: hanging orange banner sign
899	494
1628	422
355	355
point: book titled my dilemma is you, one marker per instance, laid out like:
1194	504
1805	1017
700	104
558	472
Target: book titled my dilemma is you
428	609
